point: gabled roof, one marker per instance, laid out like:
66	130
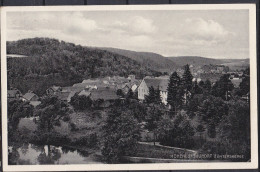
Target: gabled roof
157	83
29	96
55	88
105	94
152	82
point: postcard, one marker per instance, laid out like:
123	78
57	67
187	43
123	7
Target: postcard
134	87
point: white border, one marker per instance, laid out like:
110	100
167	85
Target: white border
158	166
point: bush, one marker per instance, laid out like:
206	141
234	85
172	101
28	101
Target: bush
73	127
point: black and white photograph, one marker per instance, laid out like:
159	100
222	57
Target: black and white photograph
129	87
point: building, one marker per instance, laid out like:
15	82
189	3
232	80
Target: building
156	83
53	90
103	97
30	97
66	96
15	94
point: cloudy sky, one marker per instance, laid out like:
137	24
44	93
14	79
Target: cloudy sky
213	34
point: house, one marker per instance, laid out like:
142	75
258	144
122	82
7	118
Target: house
16	94
156	83
30	96
53	90
72	89
66	96
103	97
125	87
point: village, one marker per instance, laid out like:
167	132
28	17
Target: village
109	89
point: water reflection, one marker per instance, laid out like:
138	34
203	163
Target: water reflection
27	154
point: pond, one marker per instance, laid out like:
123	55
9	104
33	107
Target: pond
31	154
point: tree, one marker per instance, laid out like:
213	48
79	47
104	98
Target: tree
153	96
201	84
174	98
187	78
120	93
154	113
18	109
50	111
223	87
81	102
130	94
212	130
121	133
193	104
207	85
212	109
245	85
177	133
195	88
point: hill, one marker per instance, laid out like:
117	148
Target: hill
197	61
194	60
52	62
152	60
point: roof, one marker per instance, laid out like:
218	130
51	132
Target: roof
84	93
55	88
13	93
29	96
35	103
157	83
105	94
236	82
69	89
90	81
163	84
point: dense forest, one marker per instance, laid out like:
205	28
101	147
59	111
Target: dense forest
53	62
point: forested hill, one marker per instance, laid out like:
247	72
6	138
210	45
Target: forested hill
152	60
52	62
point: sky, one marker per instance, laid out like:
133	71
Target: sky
207	33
